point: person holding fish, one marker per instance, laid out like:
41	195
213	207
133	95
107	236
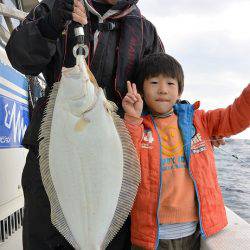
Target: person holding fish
117	36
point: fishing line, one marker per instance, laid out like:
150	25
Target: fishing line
233	155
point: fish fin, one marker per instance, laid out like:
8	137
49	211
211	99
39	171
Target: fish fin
130	183
109	106
81	124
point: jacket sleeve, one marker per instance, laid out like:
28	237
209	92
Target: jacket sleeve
28	51
135	128
231	120
152	41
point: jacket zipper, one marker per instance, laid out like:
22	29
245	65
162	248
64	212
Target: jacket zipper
195	186
199	210
160	186
196	190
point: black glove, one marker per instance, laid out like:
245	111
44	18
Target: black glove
52	25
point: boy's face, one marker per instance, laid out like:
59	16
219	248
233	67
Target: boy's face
160	93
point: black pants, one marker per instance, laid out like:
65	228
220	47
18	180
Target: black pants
38	231
191	242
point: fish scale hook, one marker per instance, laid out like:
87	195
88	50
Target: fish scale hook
80	48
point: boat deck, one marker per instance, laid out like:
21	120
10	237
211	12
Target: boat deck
14	242
236	236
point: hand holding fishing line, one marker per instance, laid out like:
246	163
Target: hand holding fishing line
63	11
79	13
217	141
132	103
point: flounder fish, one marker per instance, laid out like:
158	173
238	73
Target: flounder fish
89	166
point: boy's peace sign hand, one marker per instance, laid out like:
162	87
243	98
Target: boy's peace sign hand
132	103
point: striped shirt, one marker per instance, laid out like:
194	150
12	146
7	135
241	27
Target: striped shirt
177	230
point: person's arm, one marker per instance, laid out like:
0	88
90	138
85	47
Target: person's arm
28	51
135	128
151	40
231	120
132	104
34	42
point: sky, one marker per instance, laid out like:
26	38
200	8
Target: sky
211	39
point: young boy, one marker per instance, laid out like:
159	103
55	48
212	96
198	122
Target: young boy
179	197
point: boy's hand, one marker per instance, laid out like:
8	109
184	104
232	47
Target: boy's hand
217	141
132	103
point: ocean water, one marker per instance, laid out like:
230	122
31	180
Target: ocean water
234	175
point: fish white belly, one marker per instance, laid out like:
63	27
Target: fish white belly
86	169
89	165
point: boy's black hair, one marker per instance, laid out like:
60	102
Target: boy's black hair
156	64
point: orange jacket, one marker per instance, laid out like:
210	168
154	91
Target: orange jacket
197	127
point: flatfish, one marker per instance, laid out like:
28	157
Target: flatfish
89	166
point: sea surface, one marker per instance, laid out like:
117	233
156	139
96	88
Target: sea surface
234	175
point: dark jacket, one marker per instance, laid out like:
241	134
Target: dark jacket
116	57
113	62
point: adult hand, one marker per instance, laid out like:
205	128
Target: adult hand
79	13
217	141
66	10
132	103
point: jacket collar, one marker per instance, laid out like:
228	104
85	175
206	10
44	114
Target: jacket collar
121	9
185	113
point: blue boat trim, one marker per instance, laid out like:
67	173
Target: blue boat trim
5	147
14	121
13	76
13	92
11	99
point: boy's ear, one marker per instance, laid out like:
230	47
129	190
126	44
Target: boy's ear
179	99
